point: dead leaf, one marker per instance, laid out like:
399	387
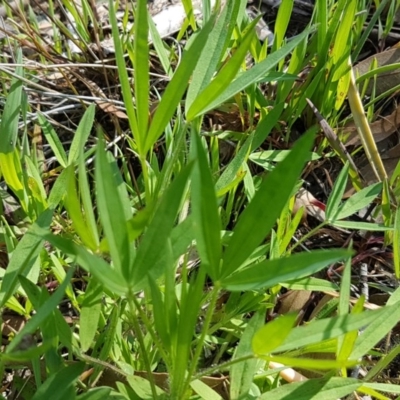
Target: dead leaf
384	81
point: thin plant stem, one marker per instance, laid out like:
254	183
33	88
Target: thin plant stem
308	235
204	331
222	367
142	346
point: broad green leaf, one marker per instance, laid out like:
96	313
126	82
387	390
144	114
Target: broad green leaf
111	212
223	79
207	221
42	313
359	200
329	328
258	218
58	385
81	134
90	313
257	72
11	111
153	244
271	335
242	374
24	257
271	272
212	54
53	140
311	363
314	389
335	198
177	86
282	21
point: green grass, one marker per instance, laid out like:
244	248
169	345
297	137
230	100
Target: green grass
171	255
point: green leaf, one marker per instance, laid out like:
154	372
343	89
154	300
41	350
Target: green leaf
311	283
257	72
177	86
357	202
271	335
271	272
53	140
314	389
81	134
123	75
100	393
332	206
141	71
229	175
242	374
108	276
204	391
396	244
205	211
364	226
212	54
11	111
382	324
24	257
153	244
329	328
111	212
258	218
58	385
90	313
42	313
223	79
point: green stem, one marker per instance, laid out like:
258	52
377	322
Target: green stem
142	346
204	331
308	235
222	367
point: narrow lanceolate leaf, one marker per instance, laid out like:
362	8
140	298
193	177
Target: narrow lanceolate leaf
271	272
42	313
242	374
332	206
141	71
224	77
259	217
11	112
24	257
329	328
90	313
377	330
360	200
271	335
205	211
257	72
176	88
314	389
81	134
212	54
58	386
111	212
158	233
